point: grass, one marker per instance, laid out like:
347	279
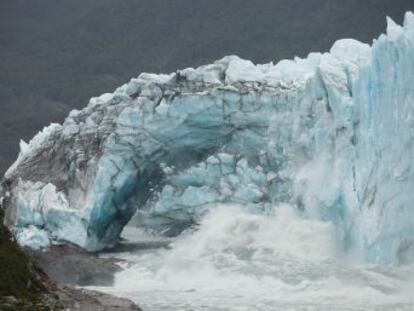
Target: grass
18	277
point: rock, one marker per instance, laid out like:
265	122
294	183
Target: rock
87	300
10	300
72	266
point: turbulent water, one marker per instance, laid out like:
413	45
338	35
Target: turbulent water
238	260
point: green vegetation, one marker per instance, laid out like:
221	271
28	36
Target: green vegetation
18	278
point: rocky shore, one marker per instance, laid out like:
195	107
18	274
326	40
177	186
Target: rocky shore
59	270
46	280
61	297
72	266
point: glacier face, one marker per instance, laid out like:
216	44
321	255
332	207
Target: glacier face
330	135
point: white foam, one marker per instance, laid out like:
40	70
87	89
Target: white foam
242	261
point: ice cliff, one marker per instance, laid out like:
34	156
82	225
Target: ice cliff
330	135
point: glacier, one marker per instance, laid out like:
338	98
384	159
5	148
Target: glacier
330	135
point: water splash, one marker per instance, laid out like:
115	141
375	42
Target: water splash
238	260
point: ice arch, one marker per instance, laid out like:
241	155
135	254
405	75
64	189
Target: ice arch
330	134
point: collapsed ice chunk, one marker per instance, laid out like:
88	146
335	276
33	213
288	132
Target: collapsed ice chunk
41	205
33	237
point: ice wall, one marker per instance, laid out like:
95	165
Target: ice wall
329	135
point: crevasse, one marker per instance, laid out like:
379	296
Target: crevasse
330	135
